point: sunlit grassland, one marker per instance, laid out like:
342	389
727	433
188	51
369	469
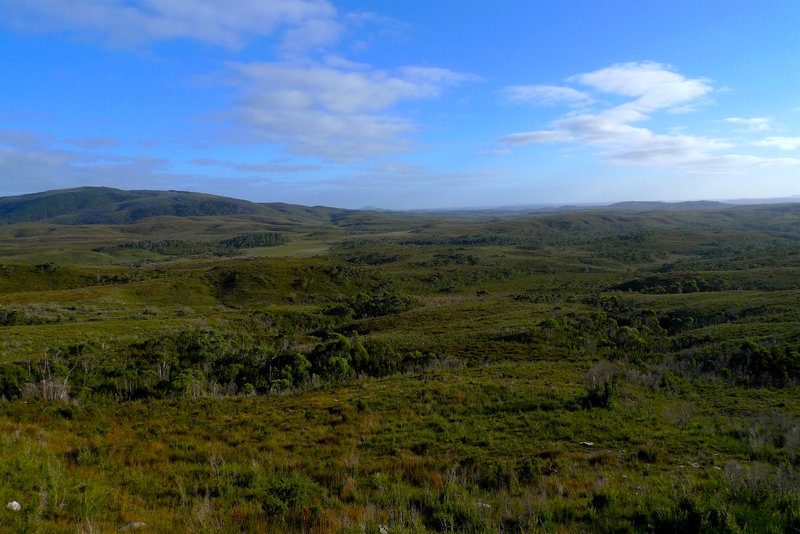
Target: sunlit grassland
598	371
382	451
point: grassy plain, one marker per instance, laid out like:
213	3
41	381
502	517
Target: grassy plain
596	370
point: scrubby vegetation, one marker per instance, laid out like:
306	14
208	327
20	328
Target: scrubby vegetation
180	248
328	371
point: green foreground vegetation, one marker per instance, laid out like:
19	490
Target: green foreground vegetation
318	370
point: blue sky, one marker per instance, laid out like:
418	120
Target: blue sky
403	104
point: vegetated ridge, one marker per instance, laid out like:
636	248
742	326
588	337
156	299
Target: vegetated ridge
104	205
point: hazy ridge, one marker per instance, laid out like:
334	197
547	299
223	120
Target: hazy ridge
105	205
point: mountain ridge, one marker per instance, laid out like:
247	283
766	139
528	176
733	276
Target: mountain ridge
105	205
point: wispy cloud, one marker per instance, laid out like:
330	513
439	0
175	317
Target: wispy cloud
649	88
755	124
333	112
541	136
329	107
496	152
784	143
23	139
419	178
92	142
124	23
316	32
545	95
655	86
30	161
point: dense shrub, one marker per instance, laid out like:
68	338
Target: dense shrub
12	380
768	365
602	386
388	303
263	239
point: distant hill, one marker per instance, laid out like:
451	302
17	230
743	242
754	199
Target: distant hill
699	205
105	205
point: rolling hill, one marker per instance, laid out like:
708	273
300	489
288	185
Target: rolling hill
104	205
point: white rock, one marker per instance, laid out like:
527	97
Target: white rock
132	526
14	505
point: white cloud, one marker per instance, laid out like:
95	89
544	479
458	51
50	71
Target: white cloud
728	164
614	130
668	150
334	113
314	33
23	139
654	85
527	138
124	23
339	62
433	79
545	95
334	108
784	143
756	124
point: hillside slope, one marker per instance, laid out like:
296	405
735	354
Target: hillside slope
105	205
